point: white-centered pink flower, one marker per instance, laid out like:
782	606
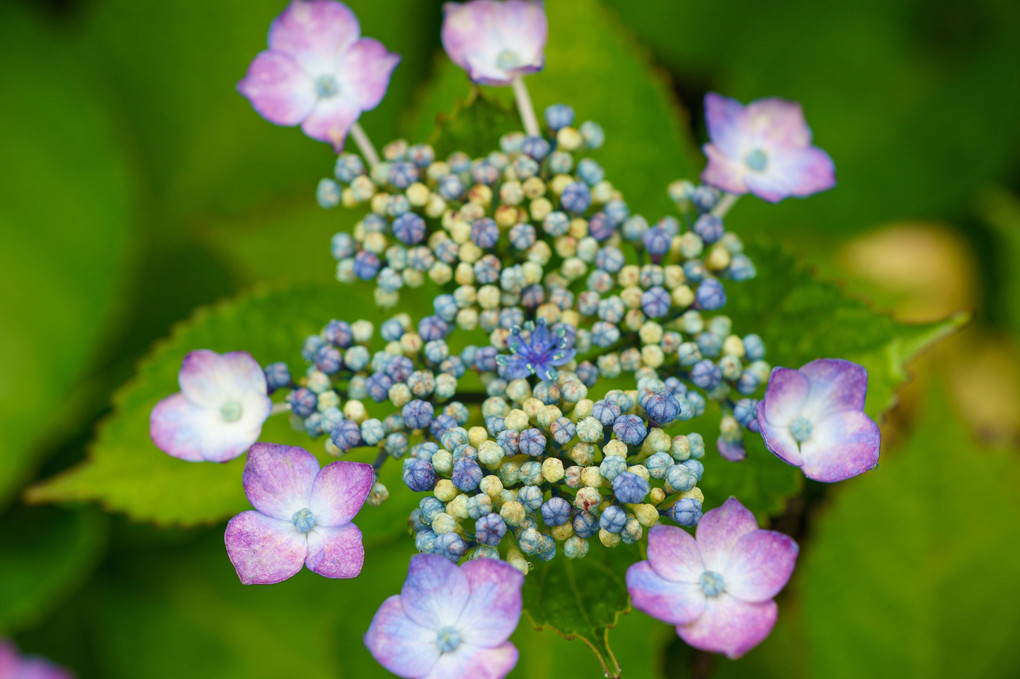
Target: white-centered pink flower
219	412
496	42
717	588
302	516
318	71
814	418
763	148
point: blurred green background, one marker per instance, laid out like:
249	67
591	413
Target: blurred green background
136	185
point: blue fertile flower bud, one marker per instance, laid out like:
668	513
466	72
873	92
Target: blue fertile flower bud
613	519
536	147
409	228
348	167
327	193
630	429
419	475
704	198
709	227
490	529
605	412
466	475
346	435
302	401
686	511
417	414
662	407
556	511
706	374
612	466
530	497
532	442
430	506
559	116
711	295
655	302
452	546
681	477
630	488
585	524
277	376
576	198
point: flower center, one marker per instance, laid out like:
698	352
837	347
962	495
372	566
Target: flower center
448	639
711	583
508	59
326	86
303	520
756	160
231	411
800	429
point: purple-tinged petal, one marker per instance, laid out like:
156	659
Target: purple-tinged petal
435	591
733	451
785	396
402	646
242	371
330	121
730	626
779	122
200	379
516	368
278	479
674	554
779	440
836	385
494	605
841	446
193	433
478	36
278	89
720	529
315	33
472	662
39	668
666	600
800	172
335	552
727	123
724	172
760	566
339	491
9	659
264	550
365	73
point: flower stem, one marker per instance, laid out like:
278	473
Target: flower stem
280	409
526	109
379	460
725	204
365	145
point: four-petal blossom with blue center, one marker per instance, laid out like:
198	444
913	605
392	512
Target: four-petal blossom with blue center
540	353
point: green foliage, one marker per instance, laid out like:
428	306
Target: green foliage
64	219
920	562
474	126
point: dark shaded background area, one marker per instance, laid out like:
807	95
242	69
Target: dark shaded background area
136	185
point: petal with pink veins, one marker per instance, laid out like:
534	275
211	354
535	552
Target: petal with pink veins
785	397
726	120
365	73
278	89
331	120
720	529
435	592
674	554
778	121
314	33
399	644
473	662
760	566
494	606
335	552
278	480
666	600
836	385
264	550
339	491
730	626
841	446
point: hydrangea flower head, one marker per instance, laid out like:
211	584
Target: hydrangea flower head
717	588
15	666
496	42
449	622
763	148
219	411
540	354
814	418
318	71
302	516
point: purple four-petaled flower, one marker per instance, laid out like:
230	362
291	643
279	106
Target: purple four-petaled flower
814	418
718	588
763	148
318	71
449	622
302	516
219	411
540	354
496	42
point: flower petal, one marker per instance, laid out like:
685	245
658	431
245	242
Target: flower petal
494	605
315	33
278	89
779	441
733	451
724	172
673	554
719	530
841	446
730	626
435	591
190	432
778	121
666	600
365	72
785	396
264	551
476	34
760	566
836	385
241	371
800	173
726	120
399	644
200	380
278	479
339	491
335	552
331	120
472	662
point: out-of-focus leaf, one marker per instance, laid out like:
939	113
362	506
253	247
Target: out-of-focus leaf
46	553
127	473
67	195
596	68
474	125
1001	210
913	571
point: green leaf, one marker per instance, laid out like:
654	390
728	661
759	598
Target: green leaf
1001	210
127	473
474	126
913	572
67	198
599	70
47	553
582	598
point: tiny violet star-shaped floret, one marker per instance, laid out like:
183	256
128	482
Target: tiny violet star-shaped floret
302	516
763	148
219	411
717	588
16	666
813	418
496	42
540	354
318	71
449	622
